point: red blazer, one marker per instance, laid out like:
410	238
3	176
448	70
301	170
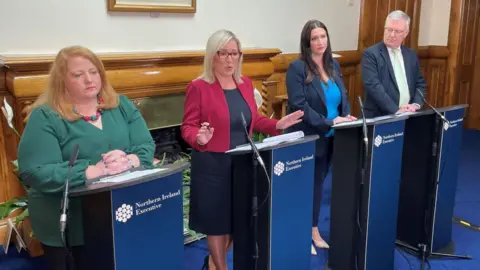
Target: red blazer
205	102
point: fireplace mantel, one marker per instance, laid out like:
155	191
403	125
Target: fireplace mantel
140	76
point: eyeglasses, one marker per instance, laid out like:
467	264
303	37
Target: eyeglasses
397	32
225	54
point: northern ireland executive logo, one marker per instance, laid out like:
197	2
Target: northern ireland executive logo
127	211
290	165
386	139
279	168
124	213
378	140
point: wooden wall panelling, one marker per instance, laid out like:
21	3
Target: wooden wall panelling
433	62
372	20
463	36
3	155
474	116
138	76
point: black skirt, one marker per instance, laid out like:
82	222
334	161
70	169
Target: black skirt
211	193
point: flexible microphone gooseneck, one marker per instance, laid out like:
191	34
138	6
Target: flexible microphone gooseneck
433	108
364	124
257	159
64	207
363	172
254	147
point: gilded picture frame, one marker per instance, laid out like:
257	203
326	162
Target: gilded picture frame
162	6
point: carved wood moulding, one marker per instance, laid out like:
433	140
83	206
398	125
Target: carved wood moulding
138	73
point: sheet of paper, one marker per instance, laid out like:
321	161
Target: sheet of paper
258	145
405	113
128	176
353	123
271	141
285	137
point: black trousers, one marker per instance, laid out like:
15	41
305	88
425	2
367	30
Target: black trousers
57	260
322	164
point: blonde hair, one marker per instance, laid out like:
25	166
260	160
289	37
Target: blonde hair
217	41
56	93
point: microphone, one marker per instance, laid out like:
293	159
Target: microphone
257	159
254	148
363	172
364	123
433	108
63	216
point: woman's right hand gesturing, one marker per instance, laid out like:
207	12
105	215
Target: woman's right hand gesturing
204	134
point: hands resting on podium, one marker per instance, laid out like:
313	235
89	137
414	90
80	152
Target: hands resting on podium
409	108
113	162
205	133
340	119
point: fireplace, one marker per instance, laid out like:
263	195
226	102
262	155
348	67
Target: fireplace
169	144
163	115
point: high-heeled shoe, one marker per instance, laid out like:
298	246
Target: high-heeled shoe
320	243
317	239
205	263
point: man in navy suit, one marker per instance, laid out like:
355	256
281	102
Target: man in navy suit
391	73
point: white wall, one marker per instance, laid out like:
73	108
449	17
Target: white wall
45	26
434	22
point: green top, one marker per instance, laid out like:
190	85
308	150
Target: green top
44	153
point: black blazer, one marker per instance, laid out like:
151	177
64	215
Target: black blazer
310	98
379	84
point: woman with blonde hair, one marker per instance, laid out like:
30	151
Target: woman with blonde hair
80	107
212	125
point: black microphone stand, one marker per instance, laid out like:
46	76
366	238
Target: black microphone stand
257	160
69	261
424	249
363	176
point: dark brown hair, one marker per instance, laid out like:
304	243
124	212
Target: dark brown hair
306	51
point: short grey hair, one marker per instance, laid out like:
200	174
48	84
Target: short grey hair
217	41
398	15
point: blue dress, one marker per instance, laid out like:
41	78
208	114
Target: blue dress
333	98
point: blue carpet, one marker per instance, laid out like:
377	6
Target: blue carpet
467	242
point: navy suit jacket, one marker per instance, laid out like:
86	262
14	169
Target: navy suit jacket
310	98
379	84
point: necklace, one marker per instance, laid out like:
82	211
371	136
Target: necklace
94	117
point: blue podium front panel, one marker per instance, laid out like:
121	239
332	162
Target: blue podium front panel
292	206
385	175
148	225
447	179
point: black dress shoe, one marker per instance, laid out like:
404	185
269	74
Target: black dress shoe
205	263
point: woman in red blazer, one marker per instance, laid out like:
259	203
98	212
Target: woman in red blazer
212	125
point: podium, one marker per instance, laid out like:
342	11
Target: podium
431	157
285	199
134	223
363	218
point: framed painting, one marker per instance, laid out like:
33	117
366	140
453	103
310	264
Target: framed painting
165	6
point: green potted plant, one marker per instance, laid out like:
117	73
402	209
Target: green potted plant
16	208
